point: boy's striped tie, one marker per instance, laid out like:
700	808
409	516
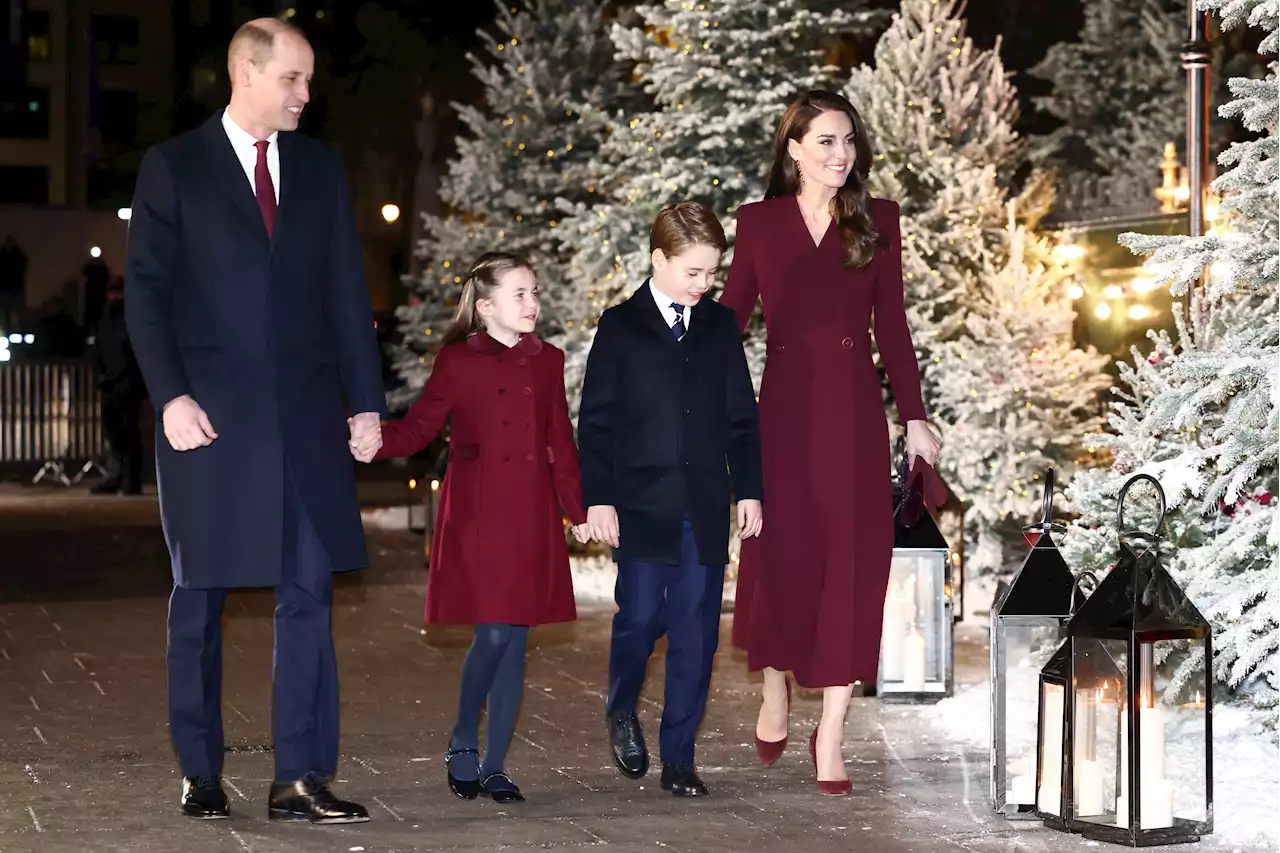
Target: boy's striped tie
677	328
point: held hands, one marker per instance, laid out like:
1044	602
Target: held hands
923	441
602	524
186	426
582	532
750	519
366	436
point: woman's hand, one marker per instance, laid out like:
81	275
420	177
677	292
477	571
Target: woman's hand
923	441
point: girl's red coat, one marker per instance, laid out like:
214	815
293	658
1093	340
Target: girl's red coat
498	553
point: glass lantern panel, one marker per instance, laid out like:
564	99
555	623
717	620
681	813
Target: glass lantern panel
1173	729
912	652
1097	738
1027	648
1111	744
1052	720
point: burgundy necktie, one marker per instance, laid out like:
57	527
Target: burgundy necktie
263	188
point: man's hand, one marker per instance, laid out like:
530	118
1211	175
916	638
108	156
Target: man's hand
750	519
603	523
366	435
186	426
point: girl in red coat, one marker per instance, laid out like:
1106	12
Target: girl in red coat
499	559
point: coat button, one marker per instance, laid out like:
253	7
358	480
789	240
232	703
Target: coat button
686	411
502	390
780	348
528	391
529	424
522	361
505	423
847	343
528	457
506	457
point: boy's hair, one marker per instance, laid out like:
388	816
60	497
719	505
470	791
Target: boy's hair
682	226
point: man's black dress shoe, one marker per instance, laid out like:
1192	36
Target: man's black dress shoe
204	799
682	780
627	738
310	799
500	787
466	789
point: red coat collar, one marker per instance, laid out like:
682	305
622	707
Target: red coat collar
484	344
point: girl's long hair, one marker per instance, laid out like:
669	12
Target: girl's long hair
850	208
481	282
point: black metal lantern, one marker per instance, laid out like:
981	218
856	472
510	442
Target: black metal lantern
1028	623
917	639
1150	782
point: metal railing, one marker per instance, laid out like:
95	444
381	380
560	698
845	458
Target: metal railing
1084	199
50	414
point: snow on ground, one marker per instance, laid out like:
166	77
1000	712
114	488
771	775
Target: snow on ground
1246	759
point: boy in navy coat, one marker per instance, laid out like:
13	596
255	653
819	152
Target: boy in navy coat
668	413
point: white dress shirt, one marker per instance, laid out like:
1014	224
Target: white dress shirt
669	314
246	148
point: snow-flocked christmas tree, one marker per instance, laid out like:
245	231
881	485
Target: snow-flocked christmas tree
719	75
1019	395
940	114
1200	411
988	312
527	155
1117	89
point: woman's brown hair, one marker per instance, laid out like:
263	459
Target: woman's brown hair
850	208
481	282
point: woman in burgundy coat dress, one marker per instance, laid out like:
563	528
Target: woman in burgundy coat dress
498	559
824	258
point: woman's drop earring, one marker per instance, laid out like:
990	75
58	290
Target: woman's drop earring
799	173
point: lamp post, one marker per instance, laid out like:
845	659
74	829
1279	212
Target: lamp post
1195	57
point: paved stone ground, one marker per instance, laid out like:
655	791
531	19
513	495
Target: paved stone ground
85	762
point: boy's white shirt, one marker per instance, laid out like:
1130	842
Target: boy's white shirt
664	305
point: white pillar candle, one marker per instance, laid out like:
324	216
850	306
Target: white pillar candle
1152	745
892	635
913	662
1157	805
1022	791
1049	797
1089	788
1124	762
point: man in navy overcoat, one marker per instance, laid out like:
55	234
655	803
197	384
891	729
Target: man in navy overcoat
251	322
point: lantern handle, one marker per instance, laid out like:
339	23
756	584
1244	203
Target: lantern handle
1075	588
1047	521
1124	491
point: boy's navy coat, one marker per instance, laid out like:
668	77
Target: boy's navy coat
662	425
